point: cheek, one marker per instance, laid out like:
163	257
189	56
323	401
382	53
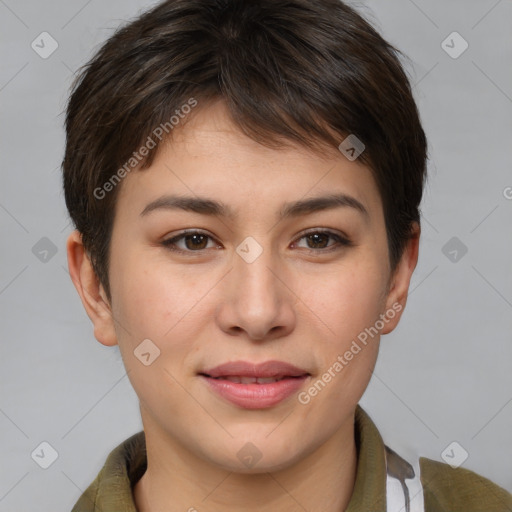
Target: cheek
349	300
349	304
153	304
160	303
146	294
142	298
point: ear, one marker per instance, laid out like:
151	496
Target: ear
91	292
400	280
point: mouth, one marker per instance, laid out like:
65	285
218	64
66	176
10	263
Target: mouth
274	370
252	380
255	386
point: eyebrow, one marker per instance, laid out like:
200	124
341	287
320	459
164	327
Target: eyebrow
206	206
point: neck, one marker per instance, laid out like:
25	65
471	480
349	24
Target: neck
177	480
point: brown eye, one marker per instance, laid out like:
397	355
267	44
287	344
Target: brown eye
318	241
192	241
195	241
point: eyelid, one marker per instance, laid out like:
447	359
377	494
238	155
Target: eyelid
329	231
342	240
167	243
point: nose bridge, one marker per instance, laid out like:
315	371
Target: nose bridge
258	301
257	286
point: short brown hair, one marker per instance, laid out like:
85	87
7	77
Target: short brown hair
307	71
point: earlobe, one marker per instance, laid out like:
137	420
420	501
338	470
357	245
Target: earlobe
399	289
90	290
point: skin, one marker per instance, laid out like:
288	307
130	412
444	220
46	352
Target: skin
297	302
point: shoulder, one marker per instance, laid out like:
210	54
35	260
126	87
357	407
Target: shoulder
447	489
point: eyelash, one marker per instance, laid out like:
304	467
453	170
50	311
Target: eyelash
341	241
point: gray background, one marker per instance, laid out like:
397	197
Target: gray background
442	376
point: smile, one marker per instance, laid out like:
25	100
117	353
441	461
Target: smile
255	385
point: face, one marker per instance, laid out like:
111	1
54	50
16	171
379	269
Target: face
260	279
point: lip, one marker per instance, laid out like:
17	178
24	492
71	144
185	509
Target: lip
247	369
255	395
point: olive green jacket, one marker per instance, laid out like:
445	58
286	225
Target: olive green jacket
445	489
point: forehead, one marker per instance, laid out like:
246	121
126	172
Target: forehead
209	156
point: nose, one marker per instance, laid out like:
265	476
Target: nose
257	301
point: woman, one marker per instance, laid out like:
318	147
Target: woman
245	181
